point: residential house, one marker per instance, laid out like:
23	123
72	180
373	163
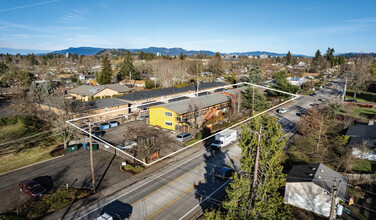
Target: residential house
133	83
310	187
363	135
296	81
162	95
87	92
188	112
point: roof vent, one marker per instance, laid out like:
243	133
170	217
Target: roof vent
319	177
314	168
322	170
310	174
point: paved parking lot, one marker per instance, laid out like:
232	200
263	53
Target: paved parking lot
73	168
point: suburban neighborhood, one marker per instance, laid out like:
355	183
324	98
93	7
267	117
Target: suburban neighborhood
104	116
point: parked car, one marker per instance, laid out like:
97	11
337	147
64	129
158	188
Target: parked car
323	99
127	145
32	188
282	110
144	117
183	137
98	133
351	100
224	173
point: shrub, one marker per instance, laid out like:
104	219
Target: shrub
138	169
199	136
36	209
128	167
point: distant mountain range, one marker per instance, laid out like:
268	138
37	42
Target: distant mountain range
154	50
162	50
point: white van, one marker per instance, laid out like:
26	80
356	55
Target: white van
224	138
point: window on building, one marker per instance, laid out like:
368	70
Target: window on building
168	123
169	114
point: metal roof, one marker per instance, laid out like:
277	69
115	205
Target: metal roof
321	175
187	105
143	95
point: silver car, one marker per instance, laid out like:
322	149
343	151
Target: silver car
183	137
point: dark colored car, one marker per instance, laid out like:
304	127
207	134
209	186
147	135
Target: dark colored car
116	210
98	133
224	173
351	100
312	94
301	113
32	188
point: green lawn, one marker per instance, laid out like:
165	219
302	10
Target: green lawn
364	166
362	96
11	132
364	112
361	113
23	153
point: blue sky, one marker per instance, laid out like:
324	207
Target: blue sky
301	26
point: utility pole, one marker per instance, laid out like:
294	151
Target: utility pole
198	84
91	158
253	100
333	213
255	175
344	90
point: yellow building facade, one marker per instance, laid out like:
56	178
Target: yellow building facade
163	117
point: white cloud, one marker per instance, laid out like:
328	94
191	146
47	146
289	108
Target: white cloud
27	6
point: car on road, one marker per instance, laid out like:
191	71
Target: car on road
127	145
351	100
313	94
301	113
322	99
144	117
282	110
32	188
224	173
115	210
314	104
183	137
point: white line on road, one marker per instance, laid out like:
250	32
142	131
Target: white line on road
141	185
206	198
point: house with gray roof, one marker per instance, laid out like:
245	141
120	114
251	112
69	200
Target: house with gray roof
310	187
87	92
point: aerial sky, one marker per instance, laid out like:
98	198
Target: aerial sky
300	26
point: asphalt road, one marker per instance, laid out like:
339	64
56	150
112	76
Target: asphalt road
185	185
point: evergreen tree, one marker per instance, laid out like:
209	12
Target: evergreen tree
283	84
330	57
181	56
105	75
288	58
263	201
255	74
259	100
341	60
31	59
127	69
8	58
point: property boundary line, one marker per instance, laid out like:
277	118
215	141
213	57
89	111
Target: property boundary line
189	146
